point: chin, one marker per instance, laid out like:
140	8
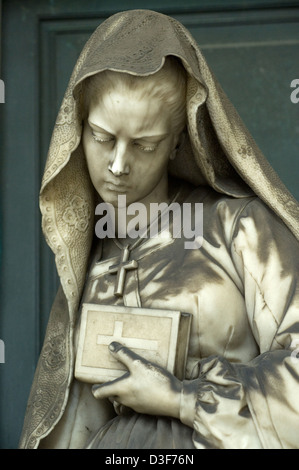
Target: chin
111	197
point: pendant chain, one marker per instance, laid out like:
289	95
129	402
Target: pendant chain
144	234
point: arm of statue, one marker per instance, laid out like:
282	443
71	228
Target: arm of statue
148	388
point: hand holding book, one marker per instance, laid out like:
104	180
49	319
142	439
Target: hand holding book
137	357
146	387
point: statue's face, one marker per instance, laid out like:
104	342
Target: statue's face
128	142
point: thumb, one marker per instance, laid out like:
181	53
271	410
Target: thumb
109	389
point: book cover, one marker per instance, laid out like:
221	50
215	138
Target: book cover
161	336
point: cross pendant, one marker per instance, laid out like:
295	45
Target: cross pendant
121	270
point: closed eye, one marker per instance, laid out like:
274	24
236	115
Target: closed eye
102	139
146	148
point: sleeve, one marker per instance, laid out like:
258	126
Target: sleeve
255	405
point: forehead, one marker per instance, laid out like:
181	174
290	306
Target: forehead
134	110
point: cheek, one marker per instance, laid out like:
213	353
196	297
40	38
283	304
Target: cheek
153	166
94	160
144	171
147	176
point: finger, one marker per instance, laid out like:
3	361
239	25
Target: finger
119	408
123	354
109	389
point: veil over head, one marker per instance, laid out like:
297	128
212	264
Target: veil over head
219	150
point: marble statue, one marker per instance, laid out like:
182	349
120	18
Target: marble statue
145	123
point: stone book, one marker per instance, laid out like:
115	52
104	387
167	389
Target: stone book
160	336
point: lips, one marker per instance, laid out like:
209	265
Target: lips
117	187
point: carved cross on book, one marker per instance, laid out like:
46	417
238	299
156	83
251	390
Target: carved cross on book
149	345
121	270
160	336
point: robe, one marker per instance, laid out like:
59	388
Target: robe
241	287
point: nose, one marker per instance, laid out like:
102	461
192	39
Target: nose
118	165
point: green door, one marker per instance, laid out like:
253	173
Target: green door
252	48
